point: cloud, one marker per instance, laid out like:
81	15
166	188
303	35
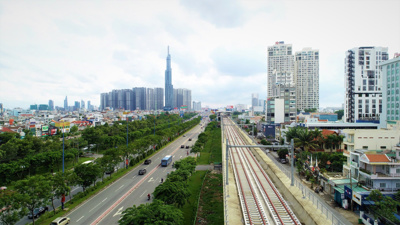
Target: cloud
222	14
239	62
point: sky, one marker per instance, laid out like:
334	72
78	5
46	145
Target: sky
52	49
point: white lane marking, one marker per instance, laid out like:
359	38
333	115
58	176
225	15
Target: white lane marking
97	205
150	180
119	188
119	212
133	176
142	194
80	218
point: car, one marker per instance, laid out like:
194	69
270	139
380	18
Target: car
142	171
187	146
38	212
184	135
147	161
182	146
283	161
61	221
190	139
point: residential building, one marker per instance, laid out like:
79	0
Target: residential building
82	104
77	106
306	70
158	98
89	106
43	107
1	109
240	107
51	105
169	94
363	84
150	103
33	107
196	106
140	93
280	60
391	91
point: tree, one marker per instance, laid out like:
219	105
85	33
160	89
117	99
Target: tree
11	210
59	187
310	110
340	114
172	193
35	192
265	142
74	129
71	180
87	173
305	140
282	153
384	207
157	213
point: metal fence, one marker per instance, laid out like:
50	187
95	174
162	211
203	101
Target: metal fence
309	194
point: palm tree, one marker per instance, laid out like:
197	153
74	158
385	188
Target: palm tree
305	140
319	139
338	141
293	132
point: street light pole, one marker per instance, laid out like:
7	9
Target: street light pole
63	151
154	125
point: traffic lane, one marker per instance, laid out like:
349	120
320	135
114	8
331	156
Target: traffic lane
92	209
139	196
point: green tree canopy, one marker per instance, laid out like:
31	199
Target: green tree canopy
172	193
87	173
11	210
157	213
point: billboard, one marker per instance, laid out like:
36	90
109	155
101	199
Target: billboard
53	131
229	107
45	128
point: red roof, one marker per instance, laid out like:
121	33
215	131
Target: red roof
6	129
377	158
327	132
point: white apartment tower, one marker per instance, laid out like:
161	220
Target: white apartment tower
254	100
306	70
363	84
280	61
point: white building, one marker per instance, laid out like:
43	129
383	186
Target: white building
306	70
391	91
196	106
254	100
280	60
363	84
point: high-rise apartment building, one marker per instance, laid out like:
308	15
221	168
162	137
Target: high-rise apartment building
150	103
51	105
196	106
82	104
363	84
280	61
254	100
306	75
89	106
1	109
65	104
182	97
169	93
77	106
158	98
391	91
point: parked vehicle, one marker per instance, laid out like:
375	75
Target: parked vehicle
147	161
187	146
182	146
142	171
190	139
38	212
61	221
166	160
283	161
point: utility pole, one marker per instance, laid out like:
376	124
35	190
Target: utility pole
351	188
292	164
227	158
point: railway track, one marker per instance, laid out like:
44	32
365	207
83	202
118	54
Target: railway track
261	203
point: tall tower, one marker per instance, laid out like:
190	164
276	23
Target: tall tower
168	84
280	61
65	104
254	100
307	79
363	84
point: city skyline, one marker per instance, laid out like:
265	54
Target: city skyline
83	50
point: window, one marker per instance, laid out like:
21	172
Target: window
382	185
397	185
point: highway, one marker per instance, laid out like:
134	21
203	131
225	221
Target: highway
260	201
131	189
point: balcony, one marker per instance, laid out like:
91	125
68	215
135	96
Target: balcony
354	164
346	153
378	175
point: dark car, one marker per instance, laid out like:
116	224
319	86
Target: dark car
187	146
283	161
190	139
142	171
182	146
38	212
147	161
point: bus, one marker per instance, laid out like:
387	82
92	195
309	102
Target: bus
166	160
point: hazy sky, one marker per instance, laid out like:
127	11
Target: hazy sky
79	49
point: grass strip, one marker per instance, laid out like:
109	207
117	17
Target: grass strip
190	208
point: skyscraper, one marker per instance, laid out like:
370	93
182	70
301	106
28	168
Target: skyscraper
306	76
280	61
65	104
77	106
254	100
159	98
391	92
82	104
1	109
168	84
89	106
51	105
363	84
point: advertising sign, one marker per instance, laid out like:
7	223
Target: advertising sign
348	192
357	198
45	128
53	131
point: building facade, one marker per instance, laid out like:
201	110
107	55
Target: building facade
280	60
159	98
66	104
196	106
391	91
254	100
169	88
363	84
306	70
51	105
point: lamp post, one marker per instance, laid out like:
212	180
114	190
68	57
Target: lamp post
63	150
